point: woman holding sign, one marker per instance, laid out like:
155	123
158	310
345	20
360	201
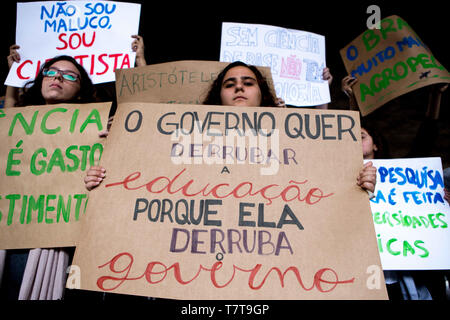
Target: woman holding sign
240	85
401	285
220	88
60	80
79	89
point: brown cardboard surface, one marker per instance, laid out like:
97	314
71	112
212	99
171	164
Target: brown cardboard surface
278	236
181	82
44	154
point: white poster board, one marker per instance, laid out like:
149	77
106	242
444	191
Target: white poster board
96	33
410	214
296	59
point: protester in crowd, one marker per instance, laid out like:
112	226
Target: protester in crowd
423	145
326	75
214	95
403	285
12	93
374	144
60	80
347	84
399	284
138	46
16	97
240	85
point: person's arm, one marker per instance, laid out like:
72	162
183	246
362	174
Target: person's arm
11	96
95	174
94	177
138	46
326	75
105	133
367	177
346	85
12	93
434	100
280	103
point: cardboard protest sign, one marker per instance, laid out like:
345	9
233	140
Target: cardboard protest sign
182	82
296	59
44	154
96	33
410	214
214	202
389	62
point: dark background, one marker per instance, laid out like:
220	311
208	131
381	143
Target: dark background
191	30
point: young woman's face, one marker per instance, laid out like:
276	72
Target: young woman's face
57	89
240	88
368	146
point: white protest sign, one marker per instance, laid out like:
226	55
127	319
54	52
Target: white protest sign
296	59
96	33
410	214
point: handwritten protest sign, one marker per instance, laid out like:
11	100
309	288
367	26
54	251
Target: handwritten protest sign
410	214
296	59
44	154
185	82
390	62
96	33
216	210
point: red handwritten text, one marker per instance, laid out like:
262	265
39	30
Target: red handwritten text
75	40
157	271
94	64
287	193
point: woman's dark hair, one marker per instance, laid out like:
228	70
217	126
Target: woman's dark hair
378	139
213	96
32	90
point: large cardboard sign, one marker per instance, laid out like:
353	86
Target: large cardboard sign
296	59
182	82
410	214
390	62
238	203
44	154
96	33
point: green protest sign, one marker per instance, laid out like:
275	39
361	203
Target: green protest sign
389	62
410	214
